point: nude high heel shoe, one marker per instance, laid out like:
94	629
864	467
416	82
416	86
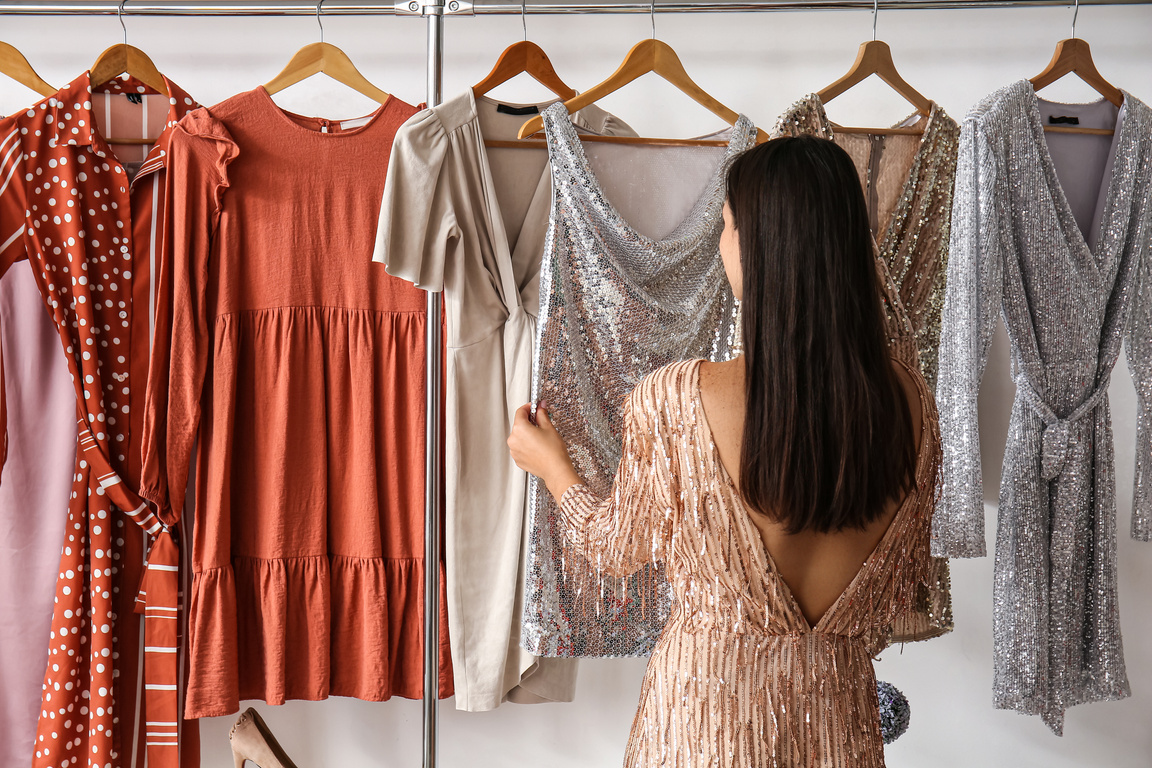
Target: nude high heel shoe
251	740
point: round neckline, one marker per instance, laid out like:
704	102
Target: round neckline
288	117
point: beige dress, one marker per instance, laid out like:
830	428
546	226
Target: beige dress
738	677
907	181
469	220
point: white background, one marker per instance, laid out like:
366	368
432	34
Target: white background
757	64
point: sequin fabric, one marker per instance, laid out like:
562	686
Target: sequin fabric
1017	250
908	182
614	306
739	677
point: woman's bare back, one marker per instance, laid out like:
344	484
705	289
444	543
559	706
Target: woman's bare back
816	567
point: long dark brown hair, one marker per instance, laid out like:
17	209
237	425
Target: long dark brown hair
827	431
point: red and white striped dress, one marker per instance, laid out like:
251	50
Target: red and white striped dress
87	218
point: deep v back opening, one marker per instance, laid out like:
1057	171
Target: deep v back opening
752	531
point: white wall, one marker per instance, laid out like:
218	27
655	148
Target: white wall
757	63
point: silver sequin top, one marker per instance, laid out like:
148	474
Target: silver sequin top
615	305
1067	301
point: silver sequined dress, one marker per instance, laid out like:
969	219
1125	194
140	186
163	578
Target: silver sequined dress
1067	300
615	305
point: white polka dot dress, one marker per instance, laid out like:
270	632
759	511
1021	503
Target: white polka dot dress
66	204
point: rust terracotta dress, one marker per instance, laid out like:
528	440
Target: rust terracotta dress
739	677
300	365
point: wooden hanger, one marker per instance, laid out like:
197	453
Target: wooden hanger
14	65
1073	56
123	59
322	57
647	56
526	58
126	59
875	58
523	58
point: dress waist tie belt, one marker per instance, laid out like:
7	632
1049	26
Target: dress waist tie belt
158	600
1054	439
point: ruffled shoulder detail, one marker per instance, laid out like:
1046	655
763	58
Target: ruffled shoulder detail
200	127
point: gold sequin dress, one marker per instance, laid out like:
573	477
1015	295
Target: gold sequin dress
738	676
908	181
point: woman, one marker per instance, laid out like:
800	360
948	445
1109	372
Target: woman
788	492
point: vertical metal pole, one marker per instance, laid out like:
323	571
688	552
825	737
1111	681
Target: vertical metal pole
433	465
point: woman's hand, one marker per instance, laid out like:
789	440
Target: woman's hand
539	449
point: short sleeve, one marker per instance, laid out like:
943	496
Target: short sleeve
417	224
633	525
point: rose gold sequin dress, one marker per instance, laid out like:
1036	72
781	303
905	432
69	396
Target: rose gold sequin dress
739	677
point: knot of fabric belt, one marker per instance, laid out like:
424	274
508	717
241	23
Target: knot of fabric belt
1058	431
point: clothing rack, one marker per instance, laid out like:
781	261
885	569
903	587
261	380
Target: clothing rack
434	11
433	8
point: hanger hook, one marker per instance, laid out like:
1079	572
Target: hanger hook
120	18
875	13
652	12
320	23
524	18
1075	13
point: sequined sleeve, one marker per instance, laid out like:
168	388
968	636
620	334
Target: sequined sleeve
1138	350
971	306
633	524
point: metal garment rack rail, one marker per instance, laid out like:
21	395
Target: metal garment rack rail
434	12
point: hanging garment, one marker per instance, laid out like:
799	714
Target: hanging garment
469	220
300	365
1023	201
36	481
908	181
615	304
739	677
86	218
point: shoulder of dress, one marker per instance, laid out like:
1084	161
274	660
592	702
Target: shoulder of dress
598	120
1137	108
205	123
806	116
666	388
1003	103
445	118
